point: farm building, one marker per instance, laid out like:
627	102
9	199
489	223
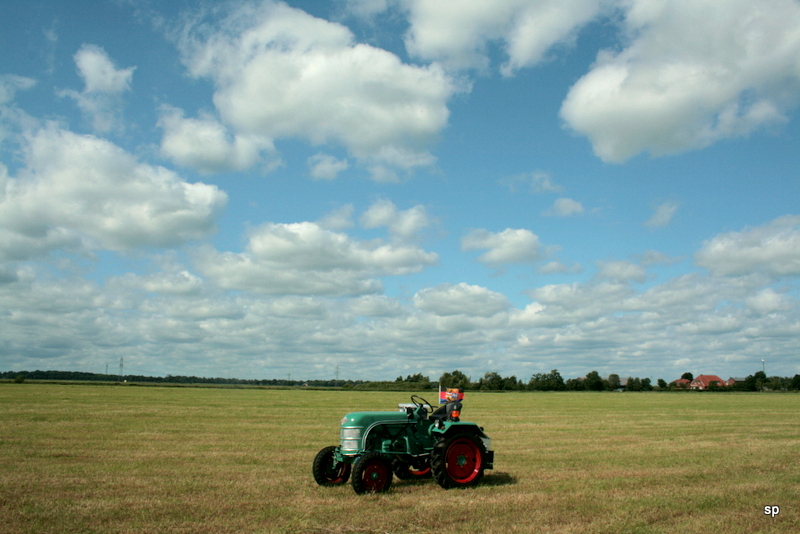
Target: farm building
682	383
704	381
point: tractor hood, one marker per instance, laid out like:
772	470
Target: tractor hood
367	419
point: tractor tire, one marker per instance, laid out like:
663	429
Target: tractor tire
458	461
372	473
328	472
406	471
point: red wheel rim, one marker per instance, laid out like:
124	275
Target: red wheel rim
463	460
419	472
336	474
376	474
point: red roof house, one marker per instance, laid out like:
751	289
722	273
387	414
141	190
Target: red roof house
681	383
703	381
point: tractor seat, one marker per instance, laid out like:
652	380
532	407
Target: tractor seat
451	410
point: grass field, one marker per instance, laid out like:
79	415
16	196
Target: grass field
82	458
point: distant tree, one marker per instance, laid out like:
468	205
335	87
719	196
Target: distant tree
614	382
574	384
646	385
662	383
634	384
687	376
456	379
756	381
491	381
512	384
593	382
419	377
551	381
795	383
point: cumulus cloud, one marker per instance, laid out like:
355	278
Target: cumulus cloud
512	245
772	249
458	299
10	84
537	182
306	259
402	224
278	72
769	301
458	33
338	219
206	145
104	83
673	88
564	207
662	215
326	167
556	267
621	271
79	192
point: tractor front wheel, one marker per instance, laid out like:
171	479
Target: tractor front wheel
327	471
372	473
458	461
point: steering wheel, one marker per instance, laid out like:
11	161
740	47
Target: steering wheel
419	402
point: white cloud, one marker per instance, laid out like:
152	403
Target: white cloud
662	215
326	167
537	182
653	257
79	192
458	33
556	267
306	259
769	301
278	72
621	271
339	219
461	299
509	246
206	145
10	84
402	224
564	207
773	249
674	88
104	84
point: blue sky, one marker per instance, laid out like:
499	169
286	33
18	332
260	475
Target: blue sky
261	189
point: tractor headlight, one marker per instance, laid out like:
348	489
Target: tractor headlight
351	433
351	439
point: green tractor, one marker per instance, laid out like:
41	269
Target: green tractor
412	443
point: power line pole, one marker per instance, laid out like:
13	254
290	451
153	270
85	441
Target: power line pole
120	368
336	384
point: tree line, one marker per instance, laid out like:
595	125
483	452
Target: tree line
79	376
491	381
553	381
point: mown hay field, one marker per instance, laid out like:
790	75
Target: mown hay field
86	459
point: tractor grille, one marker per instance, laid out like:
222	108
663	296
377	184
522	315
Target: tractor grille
351	439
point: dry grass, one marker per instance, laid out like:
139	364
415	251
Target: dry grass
83	459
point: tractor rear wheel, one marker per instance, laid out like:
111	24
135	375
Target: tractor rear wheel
372	473
458	461
327	471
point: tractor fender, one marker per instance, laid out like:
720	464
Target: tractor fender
461	427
